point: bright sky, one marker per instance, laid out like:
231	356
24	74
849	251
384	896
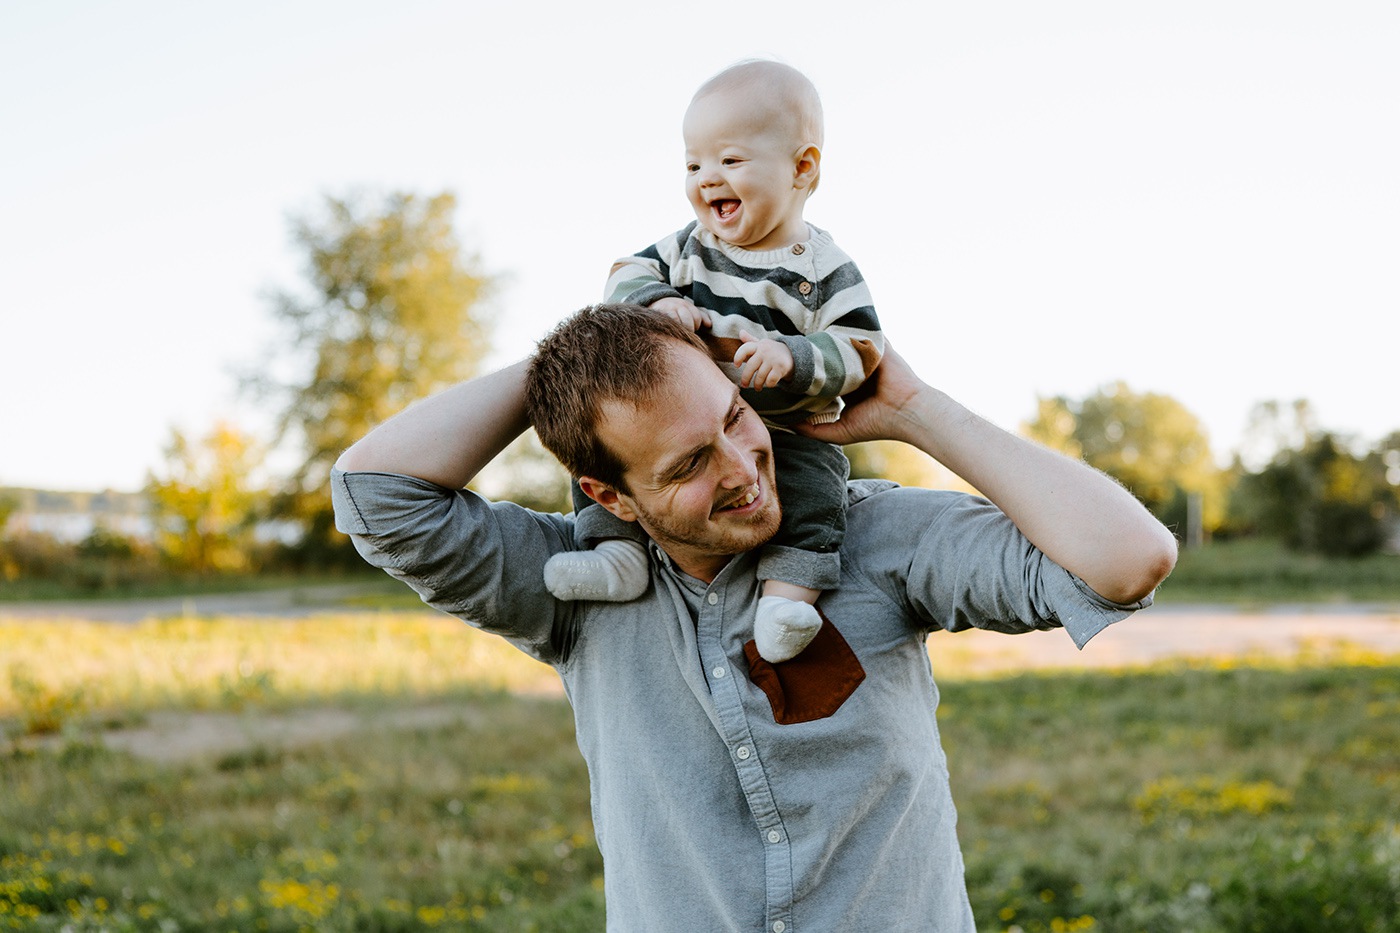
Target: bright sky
1200	198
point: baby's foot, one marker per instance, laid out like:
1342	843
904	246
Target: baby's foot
784	627
615	571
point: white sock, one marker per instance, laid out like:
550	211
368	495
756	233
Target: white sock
784	627
615	571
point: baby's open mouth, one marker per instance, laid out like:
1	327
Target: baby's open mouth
725	208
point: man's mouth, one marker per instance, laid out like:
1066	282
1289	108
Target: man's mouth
725	208
746	499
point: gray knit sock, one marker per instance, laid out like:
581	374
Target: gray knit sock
615	571
784	627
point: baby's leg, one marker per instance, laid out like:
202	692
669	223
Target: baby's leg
615	570
802	560
787	620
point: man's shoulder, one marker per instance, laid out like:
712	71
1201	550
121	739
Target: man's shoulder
880	511
886	492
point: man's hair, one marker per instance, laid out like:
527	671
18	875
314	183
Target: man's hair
787	92
607	352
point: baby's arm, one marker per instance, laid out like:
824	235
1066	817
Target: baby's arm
684	310
762	363
844	343
826	363
646	278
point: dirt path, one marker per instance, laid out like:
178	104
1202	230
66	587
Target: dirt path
1153	636
1164	632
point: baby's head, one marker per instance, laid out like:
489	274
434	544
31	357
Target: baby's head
753	138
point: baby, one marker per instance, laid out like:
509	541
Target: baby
786	315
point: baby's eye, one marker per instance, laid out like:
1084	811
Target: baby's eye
692	167
729	160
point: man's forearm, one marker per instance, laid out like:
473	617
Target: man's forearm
447	439
1083	520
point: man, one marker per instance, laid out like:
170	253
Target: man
730	794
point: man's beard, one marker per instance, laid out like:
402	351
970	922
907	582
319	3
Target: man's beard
725	539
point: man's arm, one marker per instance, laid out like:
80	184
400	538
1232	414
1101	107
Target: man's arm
1080	518
448	438
398	494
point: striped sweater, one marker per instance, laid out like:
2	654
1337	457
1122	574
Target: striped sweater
810	296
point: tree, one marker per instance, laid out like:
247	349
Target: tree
902	463
204	506
1148	442
1318	496
393	315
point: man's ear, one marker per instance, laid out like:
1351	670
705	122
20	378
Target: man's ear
806	166
608	497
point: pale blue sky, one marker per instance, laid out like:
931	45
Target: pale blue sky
1198	198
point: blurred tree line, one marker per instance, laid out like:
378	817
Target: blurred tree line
392	309
1316	491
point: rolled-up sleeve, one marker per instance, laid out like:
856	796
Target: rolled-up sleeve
970	567
478	560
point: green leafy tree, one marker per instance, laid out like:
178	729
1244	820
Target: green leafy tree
204	503
393	314
1319	496
1149	442
902	463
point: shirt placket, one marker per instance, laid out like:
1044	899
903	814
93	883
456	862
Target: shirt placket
744	752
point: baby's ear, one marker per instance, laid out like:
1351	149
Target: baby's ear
807	166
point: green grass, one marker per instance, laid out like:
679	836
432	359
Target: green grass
1214	798
1262	572
482	825
1223	800
1247	572
22	589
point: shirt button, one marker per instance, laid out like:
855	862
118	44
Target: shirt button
804	288
712	598
797	250
743	752
774	835
779	926
718	672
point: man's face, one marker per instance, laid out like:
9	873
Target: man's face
699	467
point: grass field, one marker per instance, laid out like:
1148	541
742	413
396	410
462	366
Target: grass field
1250	571
1214	798
1259	572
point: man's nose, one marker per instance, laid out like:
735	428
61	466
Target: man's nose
739	467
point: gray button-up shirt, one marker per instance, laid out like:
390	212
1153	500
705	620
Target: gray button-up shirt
712	815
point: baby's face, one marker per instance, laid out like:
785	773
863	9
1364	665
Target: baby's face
744	175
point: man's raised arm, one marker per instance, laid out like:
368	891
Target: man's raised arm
1081	519
447	439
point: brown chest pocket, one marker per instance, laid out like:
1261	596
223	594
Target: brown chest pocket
812	685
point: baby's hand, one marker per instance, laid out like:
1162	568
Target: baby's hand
683	310
762	363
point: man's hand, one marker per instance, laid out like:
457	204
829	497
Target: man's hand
683	310
762	363
878	410
1081	519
